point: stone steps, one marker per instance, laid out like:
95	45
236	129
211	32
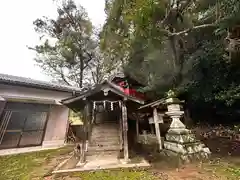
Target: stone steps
100	154
104	137
103	132
113	137
96	149
104	143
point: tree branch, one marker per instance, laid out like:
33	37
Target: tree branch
169	34
192	29
90	57
63	78
59	72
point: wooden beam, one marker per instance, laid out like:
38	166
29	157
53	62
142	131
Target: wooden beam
125	130
157	129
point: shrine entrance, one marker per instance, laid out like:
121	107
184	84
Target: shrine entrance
105	131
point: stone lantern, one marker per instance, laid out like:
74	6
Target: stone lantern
180	141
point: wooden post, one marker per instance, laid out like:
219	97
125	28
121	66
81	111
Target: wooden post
137	129
91	124
157	129
121	130
125	130
145	137
86	119
82	152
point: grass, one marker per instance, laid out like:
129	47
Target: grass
30	165
124	174
37	165
226	167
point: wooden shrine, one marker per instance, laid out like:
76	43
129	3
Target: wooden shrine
105	109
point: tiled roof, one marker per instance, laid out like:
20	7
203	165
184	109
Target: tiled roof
22	81
100	87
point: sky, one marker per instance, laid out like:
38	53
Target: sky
17	32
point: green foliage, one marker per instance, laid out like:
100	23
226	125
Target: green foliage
129	24
69	49
213	77
171	62
177	45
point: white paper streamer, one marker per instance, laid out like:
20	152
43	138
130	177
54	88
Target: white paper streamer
94	105
111	106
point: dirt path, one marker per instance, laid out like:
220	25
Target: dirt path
188	173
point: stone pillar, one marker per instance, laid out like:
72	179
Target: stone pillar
180	141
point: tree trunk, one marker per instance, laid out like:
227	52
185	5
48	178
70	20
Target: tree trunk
81	72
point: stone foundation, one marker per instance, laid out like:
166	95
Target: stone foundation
185	145
186	158
180	136
186	148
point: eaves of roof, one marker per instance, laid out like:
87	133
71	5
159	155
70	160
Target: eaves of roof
28	82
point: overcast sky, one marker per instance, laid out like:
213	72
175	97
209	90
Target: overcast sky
16	32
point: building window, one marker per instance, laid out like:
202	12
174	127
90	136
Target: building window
22	124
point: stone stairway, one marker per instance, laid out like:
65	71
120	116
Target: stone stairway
104	139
